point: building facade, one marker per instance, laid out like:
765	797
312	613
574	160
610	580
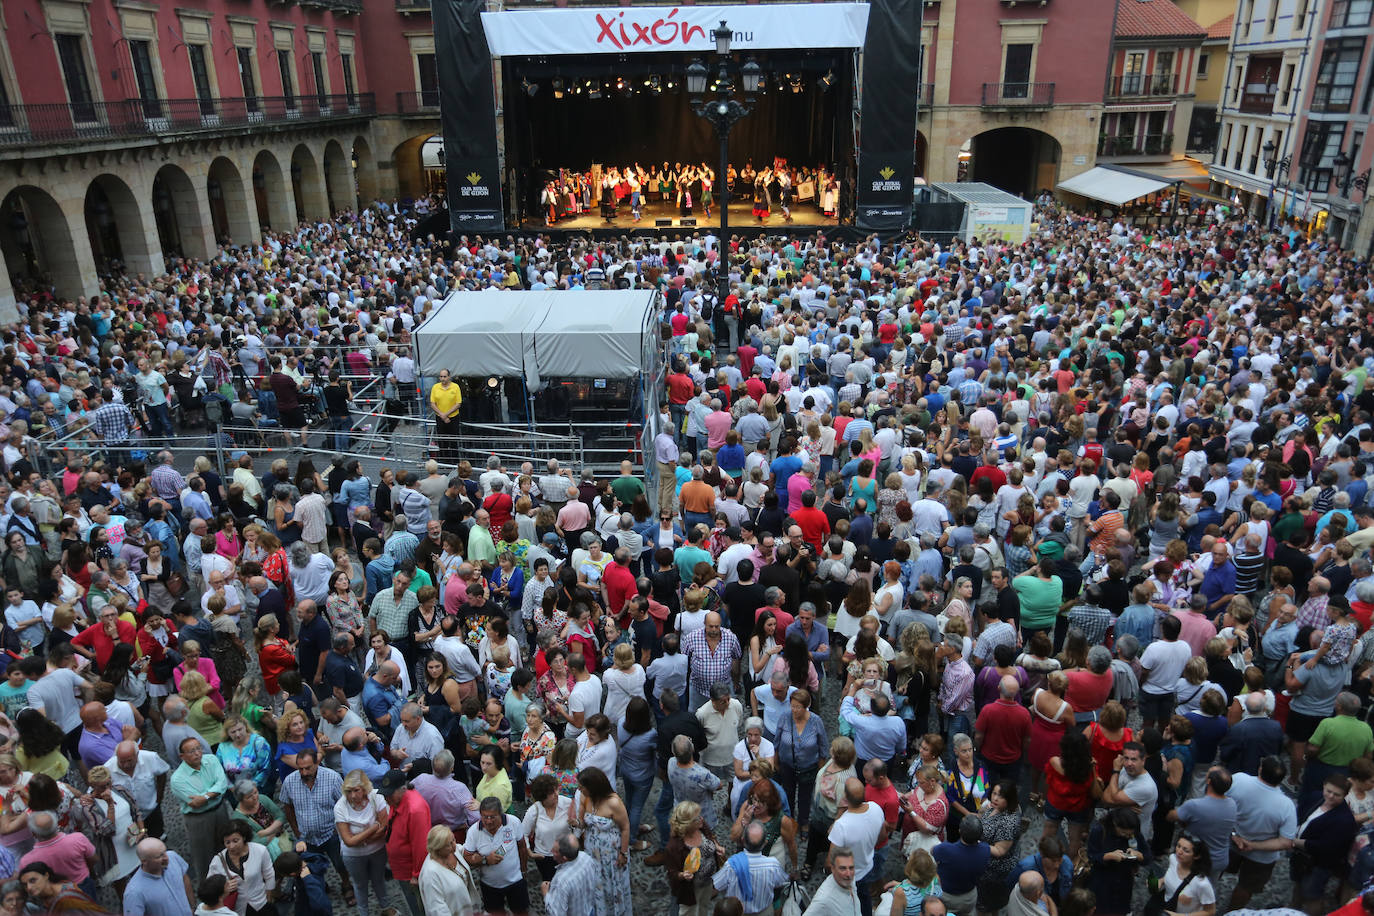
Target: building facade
134	131
1325	184
1151	83
1013	91
1269	64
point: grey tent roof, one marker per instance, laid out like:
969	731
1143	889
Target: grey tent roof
538	334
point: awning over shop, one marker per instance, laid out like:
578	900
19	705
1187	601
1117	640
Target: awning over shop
1114	186
1188	171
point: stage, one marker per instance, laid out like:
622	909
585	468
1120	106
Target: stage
804	215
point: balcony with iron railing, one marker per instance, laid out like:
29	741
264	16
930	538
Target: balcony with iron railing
1135	85
347	7
78	122
1147	145
422	102
1258	99
1018	95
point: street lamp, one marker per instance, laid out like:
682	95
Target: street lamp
1277	167
1346	177
723	110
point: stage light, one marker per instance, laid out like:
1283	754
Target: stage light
558	87
794	80
530	88
671	84
828	80
620	82
594	89
655	84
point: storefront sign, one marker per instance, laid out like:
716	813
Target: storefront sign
635	29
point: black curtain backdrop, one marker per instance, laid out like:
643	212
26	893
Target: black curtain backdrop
467	106
576	131
887	123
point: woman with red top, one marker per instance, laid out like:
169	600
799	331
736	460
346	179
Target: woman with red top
1106	737
1072	788
555	686
274	653
1051	716
78	565
153	638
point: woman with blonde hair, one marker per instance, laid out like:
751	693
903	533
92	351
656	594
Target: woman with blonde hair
229	652
446	883
202	713
274	653
361	818
623	681
293	736
693	856
919	881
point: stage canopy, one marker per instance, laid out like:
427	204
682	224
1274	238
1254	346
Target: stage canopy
540	334
1113	185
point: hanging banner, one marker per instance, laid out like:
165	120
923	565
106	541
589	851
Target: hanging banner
887	129
637	29
467	108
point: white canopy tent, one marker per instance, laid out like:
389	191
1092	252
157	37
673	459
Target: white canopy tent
1114	186
541	335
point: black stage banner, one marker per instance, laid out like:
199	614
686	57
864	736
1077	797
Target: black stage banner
887	122
467	106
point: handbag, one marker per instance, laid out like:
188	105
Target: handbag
1157	905
793	900
230	899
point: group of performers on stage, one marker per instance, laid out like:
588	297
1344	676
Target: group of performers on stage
775	187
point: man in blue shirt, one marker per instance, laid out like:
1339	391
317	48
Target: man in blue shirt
960	865
816	636
1219	582
877	735
162	884
784	466
382	701
1206	514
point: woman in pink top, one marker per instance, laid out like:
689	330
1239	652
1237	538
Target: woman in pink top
192	660
228	543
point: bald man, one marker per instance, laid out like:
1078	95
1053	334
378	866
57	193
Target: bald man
356	756
100	735
1002	732
156	889
143	774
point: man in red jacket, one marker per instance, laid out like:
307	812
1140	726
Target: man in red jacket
406	846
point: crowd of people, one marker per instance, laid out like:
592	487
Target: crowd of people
969	578
687	189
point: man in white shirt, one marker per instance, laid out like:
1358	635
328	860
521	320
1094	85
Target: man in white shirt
859	828
721	719
143	774
585	699
1131	786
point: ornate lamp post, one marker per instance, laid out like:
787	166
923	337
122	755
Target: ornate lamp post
723	108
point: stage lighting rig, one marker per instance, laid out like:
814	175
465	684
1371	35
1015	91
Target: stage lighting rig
558	87
828	80
530	88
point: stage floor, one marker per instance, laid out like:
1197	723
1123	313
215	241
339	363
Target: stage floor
804	213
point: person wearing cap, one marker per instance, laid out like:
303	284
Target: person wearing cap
406	845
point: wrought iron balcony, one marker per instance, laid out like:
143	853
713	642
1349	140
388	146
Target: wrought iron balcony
1148	145
1018	95
418	102
21	125
1134	85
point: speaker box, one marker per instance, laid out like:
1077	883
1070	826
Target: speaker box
688	221
663	223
